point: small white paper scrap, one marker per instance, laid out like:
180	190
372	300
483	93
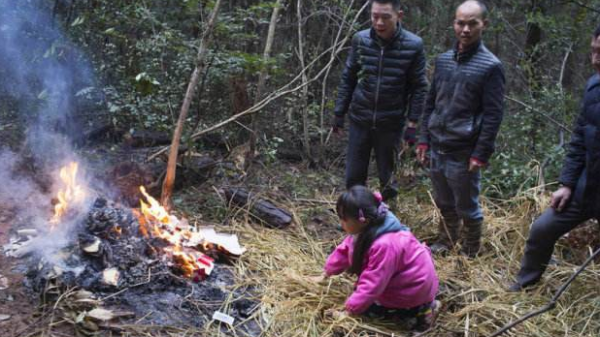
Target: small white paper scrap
219	316
228	241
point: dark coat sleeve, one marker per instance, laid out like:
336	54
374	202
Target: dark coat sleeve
493	111
417	86
576	154
349	79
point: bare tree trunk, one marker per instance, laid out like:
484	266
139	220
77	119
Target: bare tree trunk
285	89
167	188
334	53
304	100
262	77
533	39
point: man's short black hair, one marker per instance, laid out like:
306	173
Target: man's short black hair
395	3
597	32
483	6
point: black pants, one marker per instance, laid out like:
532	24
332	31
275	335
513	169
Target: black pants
544	233
385	143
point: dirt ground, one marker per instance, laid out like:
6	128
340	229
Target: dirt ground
17	308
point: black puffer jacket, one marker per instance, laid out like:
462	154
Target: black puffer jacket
382	79
464	107
581	170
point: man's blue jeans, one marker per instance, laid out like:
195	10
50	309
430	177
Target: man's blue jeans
456	190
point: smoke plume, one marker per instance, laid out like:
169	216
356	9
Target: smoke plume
40	73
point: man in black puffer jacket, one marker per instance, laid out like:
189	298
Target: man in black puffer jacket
384	77
578	198
462	116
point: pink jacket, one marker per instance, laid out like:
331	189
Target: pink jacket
398	273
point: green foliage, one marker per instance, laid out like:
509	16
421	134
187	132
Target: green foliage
530	142
270	147
145	51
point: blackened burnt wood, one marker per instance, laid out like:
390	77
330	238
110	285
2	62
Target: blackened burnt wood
146	138
126	177
265	211
95	133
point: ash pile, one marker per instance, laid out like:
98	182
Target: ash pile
149	268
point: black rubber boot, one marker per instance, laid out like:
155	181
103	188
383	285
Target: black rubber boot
448	234
472	238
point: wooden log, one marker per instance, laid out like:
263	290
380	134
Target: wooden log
146	138
98	132
290	155
271	215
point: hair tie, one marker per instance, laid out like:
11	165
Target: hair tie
378	196
361	215
382	209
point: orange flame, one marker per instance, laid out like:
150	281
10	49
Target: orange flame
71	193
155	221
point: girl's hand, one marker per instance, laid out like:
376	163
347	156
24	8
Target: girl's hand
335	314
317	279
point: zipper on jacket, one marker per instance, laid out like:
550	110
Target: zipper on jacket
455	71
377	88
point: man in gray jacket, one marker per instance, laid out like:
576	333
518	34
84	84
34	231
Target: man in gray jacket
383	83
462	116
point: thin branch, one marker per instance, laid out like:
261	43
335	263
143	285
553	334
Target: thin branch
583	5
550	118
552	304
200	92
281	91
168	183
324	85
304	99
564	66
264	72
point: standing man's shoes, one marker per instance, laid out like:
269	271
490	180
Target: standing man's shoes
471	244
518	287
515	288
471	251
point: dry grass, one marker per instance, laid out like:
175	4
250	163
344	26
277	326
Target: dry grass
278	262
472	291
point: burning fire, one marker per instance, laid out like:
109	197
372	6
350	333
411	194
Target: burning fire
70	194
156	222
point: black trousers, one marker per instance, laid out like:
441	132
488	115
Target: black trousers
385	144
544	233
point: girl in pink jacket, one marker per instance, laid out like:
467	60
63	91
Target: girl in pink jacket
396	274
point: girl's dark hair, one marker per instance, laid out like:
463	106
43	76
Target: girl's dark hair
353	203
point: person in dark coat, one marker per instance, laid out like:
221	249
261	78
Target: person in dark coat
578	197
382	85
462	117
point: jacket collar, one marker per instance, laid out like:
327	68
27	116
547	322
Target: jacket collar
466	55
385	43
593	82
391	224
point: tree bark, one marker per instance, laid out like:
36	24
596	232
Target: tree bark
167	188
285	89
334	53
263	210
262	77
304	99
533	54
